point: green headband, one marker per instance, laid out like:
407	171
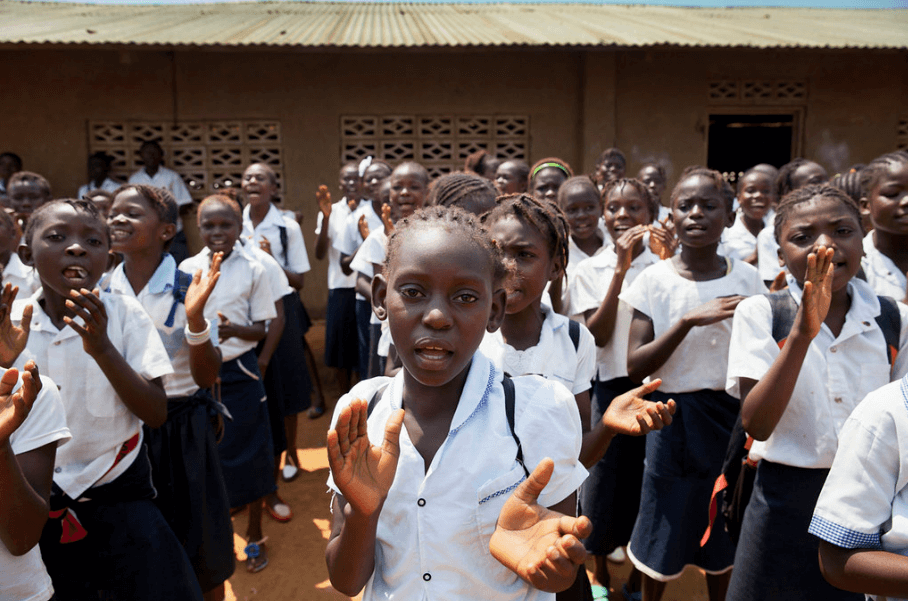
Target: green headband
544	165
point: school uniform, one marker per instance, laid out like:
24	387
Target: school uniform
575	256
611	495
24	578
102	481
19	274
244	297
768	253
881	272
340	321
171	181
684	459
108	185
737	241
186	470
836	374
371	252
432	539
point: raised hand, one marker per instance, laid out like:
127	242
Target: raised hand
714	311
633	415
363	472
12	338
363	226
817	293
540	545
323	196
265	245
625	245
15	407
200	290
662	239
779	282
386	220
87	305
226	329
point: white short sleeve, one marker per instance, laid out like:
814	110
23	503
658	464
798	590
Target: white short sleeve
586	361
752	349
46	422
142	348
297	258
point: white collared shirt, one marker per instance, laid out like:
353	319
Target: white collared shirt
372	251
591	283
100	422
553	357
277	279
864	502
108	185
700	361
768	253
339	213
351	239
434	529
167	179
158	301
24	578
19	274
297	260
243	294
836	374
882	274
737	241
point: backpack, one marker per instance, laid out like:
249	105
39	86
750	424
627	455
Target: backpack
738	470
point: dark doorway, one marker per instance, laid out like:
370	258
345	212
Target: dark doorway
738	142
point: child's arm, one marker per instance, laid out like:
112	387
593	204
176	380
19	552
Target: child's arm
12	338
227	329
645	355
764	402
145	398
866	571
25	479
363	285
204	359
601	321
363	473
273	336
323	196
539	544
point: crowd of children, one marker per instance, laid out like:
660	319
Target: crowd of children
536	367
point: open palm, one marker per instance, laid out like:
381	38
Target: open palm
14	407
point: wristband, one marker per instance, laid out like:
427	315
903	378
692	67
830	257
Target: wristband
197	338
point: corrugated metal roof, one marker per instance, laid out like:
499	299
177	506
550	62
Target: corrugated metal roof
385	25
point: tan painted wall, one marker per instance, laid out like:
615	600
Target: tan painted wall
652	103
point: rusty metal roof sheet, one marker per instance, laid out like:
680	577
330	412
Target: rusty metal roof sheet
399	25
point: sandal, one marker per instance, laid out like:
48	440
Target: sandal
599	592
315	412
256	556
281	512
290	470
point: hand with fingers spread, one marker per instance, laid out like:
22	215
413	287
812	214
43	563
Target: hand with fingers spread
199	291
12	338
386	220
363	226
780	282
538	544
323	196
633	415
15	407
87	305
625	245
817	293
265	245
662	239
714	311
363	472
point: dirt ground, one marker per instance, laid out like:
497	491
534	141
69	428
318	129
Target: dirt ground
296	570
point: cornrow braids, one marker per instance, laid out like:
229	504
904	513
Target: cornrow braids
724	188
160	199
849	183
453	219
78	204
875	169
225	200
462	190
548	219
806	194
549	162
642	189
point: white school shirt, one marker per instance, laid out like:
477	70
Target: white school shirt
168	179
864	502
158	301
836	374
25	578
108	185
591	283
339	213
99	421
768	253
737	241
881	272
19	274
433	534
270	228
553	357
700	360
243	294
351	239
575	257
373	250
277	279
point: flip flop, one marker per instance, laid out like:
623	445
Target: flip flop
599	592
315	412
278	512
253	551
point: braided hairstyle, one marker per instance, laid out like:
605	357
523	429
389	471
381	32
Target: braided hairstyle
875	169
545	216
159	199
79	205
642	189
725	191
806	194
453	219
470	192
849	182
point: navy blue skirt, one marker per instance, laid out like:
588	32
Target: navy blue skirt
777	557
289	360
610	496
247	456
363	314
683	461
341	336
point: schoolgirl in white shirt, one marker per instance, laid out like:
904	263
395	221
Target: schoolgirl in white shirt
795	400
756	198
884	186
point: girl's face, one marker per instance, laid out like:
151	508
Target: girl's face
372	179
699	212
439	300
25	197
582	208
808	174
547	182
822	222
888	201
530	259
408	192
350	183
755	195
507	179
135	225
609	170
219	227
624	209
653	180
258	186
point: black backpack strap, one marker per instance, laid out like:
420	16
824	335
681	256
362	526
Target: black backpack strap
784	310
574	333
890	322
181	282
282	231
508	384
375	398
